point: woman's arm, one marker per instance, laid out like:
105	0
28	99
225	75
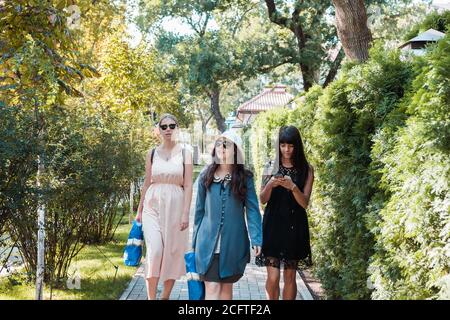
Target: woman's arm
253	216
187	185
147	183
266	189
302	198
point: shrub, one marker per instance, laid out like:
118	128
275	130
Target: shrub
412	257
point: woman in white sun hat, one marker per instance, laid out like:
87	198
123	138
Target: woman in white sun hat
226	195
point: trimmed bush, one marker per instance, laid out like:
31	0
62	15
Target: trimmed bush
412	256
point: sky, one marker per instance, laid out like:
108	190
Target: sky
176	25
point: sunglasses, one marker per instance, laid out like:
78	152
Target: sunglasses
224	143
171	126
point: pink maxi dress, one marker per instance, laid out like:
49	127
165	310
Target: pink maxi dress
161	218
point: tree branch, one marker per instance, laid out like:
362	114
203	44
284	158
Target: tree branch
274	15
334	68
193	25
267	69
236	27
205	24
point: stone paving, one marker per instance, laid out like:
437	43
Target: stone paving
250	287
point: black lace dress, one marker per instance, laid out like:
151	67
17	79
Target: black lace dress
285	229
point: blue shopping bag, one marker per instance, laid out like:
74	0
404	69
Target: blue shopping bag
133	250
196	288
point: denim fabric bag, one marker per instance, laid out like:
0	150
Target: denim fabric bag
196	288
133	250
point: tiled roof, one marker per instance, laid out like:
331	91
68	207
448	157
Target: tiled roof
270	98
427	36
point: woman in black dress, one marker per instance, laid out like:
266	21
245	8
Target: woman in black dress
286	188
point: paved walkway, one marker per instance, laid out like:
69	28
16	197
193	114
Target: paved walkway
250	287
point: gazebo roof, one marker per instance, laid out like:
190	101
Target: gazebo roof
430	35
269	98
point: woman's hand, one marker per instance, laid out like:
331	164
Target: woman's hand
139	217
287	183
275	182
184	222
257	250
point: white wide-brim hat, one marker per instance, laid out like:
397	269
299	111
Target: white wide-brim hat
236	139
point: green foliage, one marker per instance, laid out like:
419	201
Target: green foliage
89	163
390	20
413	230
349	113
435	20
18	148
91	148
262	138
131	83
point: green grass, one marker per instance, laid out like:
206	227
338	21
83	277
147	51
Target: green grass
96	272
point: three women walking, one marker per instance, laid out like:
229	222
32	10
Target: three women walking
227	220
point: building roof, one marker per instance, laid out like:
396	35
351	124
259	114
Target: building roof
430	35
269	98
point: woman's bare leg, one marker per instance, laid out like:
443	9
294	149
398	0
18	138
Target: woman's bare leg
168	286
273	283
212	290
226	291
290	285
152	286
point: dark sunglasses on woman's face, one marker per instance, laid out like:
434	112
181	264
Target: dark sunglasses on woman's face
171	126
224	143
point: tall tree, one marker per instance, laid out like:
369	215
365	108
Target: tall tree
314	37
215	52
351	23
40	67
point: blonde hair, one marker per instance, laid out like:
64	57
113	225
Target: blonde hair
167	115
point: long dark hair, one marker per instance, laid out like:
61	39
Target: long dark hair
238	177
291	135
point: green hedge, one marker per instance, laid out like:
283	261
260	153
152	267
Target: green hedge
262	137
378	143
412	258
434	20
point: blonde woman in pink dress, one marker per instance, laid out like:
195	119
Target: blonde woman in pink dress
164	209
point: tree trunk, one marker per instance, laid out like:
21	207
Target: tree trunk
307	76
203	137
215	109
334	68
308	70
351	23
40	266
